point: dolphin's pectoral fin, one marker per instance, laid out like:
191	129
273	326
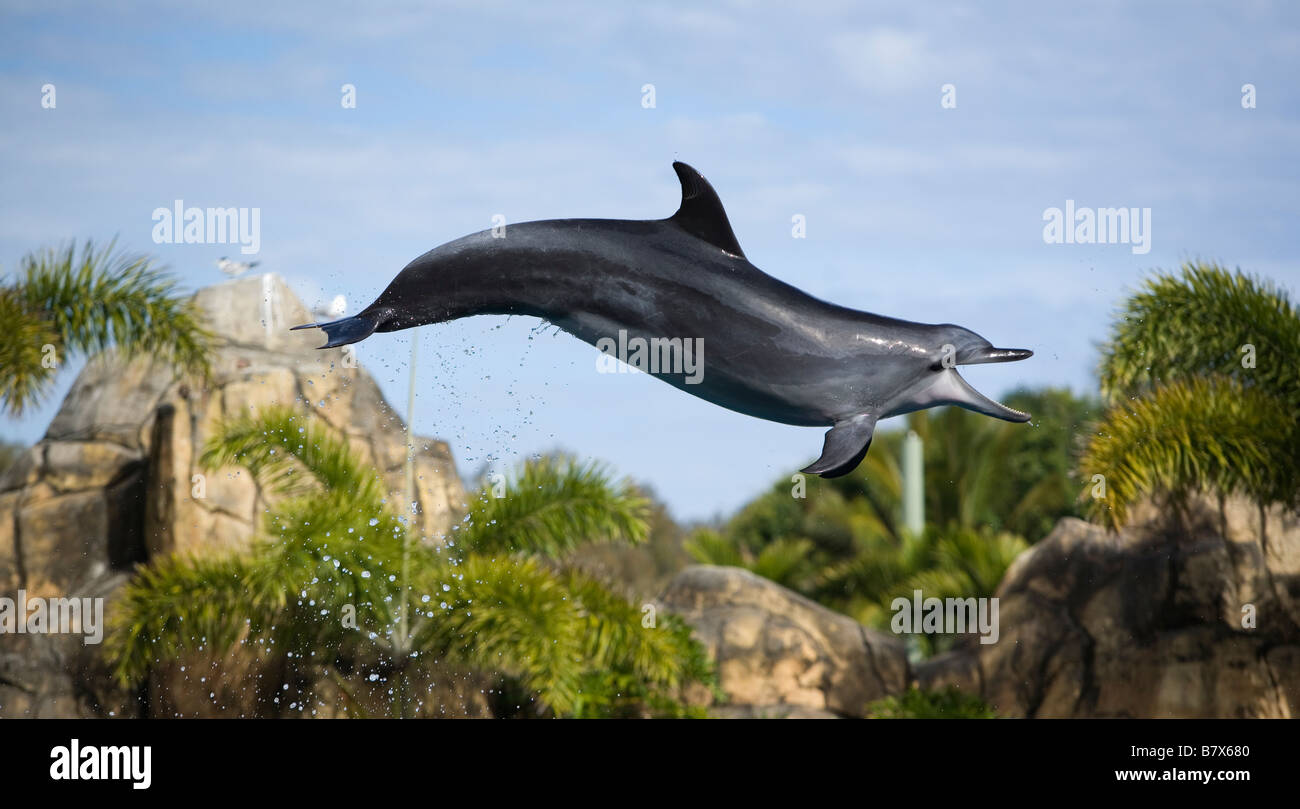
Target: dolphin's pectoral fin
846	445
701	213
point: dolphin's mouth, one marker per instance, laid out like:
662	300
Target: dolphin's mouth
959	392
992	407
990	354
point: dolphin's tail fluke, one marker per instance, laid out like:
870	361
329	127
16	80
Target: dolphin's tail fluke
348	330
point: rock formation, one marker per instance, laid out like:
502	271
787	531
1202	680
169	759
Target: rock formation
779	654
115	480
1200	619
1158	620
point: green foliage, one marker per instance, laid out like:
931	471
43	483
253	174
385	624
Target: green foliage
24	372
953	563
1037	480
551	521
1014	477
988	484
491	598
942	563
979	472
1189	411
708	547
947	703
1185	436
639	571
278	445
83	302
1195	323
786	561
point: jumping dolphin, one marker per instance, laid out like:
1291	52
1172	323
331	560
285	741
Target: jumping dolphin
773	351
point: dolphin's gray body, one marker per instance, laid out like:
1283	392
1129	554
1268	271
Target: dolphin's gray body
770	350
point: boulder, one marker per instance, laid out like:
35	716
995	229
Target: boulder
780	654
1166	618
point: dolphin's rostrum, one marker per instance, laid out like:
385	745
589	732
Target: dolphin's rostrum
773	351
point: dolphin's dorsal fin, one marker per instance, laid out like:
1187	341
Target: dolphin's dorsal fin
701	213
846	445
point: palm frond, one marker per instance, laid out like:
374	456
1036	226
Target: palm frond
708	547
101	298
292	454
551	507
25	371
981	556
787	561
1188	435
184	604
508	614
618	635
1197	323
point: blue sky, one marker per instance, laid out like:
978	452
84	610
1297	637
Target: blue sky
826	109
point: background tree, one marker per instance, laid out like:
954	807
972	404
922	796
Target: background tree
1203	382
638	571
67	302
492	598
988	484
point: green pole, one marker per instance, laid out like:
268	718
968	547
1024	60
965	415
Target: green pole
913	484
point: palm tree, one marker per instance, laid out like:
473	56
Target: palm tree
843	543
979	472
1202	377
326	590
955	562
786	561
65	302
952	562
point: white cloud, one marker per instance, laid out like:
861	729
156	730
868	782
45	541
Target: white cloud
880	59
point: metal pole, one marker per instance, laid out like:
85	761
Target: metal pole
913	484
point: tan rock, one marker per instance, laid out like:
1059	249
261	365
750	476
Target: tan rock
109	400
257	311
24	471
64	542
1147	622
9	581
775	648
245	395
75	465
